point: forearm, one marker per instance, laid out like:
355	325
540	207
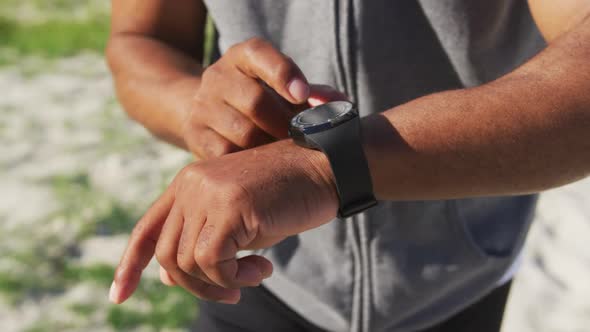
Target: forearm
154	82
523	133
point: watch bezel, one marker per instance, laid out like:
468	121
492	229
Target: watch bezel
298	128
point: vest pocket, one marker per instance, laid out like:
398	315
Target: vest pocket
463	234
492	227
422	255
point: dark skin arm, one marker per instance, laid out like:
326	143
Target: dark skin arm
243	100
523	133
155	54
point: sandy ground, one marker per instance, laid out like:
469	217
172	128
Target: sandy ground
552	288
61	119
58	120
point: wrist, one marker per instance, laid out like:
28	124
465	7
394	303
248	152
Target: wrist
315	166
374	129
335	129
182	94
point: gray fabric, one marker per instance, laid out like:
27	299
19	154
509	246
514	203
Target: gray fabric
402	265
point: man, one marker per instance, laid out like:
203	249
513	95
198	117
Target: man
466	114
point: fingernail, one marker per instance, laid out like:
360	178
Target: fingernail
313	102
267	274
298	89
267	271
113	293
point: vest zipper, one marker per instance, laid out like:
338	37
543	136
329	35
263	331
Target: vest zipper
345	37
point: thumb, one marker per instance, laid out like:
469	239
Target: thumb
320	94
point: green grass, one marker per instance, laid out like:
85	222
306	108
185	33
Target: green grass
75	193
53	8
51	39
208	42
46	264
57	4
170	308
100	274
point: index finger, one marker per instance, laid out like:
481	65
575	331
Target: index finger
141	247
259	59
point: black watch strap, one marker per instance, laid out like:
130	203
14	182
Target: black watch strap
343	147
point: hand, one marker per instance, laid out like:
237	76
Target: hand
246	99
212	209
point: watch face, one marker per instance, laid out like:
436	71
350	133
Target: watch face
324	116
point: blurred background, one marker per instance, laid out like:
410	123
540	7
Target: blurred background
75	174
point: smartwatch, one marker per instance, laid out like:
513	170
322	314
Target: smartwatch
334	128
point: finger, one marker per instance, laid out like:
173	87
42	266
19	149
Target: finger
236	127
166	278
215	253
265	242
166	248
141	247
263	264
259	59
261	105
205	291
207	143
185	258
166	253
321	94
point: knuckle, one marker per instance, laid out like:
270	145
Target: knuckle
208	184
236	192
247	134
210	150
282	71
254	40
206	254
254	44
223	147
233	49
234	195
186	264
166	258
212	73
252	105
244	231
205	258
258	96
190	173
214	147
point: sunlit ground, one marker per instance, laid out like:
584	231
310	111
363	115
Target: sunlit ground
75	174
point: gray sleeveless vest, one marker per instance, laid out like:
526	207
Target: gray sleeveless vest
400	266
